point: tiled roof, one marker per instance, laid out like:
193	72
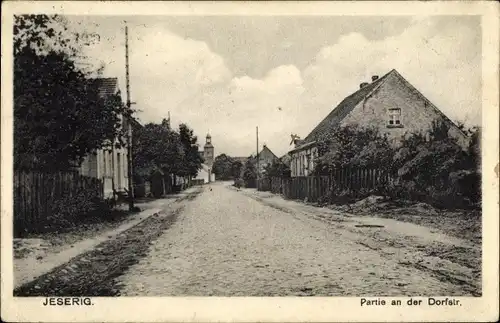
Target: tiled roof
342	110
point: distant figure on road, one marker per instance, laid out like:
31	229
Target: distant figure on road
210	189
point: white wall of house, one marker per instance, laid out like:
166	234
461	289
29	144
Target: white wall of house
396	109
110	166
204	174
302	162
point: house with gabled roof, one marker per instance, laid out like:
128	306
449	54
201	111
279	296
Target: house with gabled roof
266	158
389	103
110	164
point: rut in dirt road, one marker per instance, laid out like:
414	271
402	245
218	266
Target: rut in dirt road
227	244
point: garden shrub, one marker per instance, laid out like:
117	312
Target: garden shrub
431	168
238	182
250	174
84	206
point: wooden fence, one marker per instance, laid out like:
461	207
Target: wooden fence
142	189
197	182
313	187
35	193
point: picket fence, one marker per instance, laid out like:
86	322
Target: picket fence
314	187
35	193
196	182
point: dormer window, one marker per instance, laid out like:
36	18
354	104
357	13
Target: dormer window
394	118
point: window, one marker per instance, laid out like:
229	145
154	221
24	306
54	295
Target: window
394	117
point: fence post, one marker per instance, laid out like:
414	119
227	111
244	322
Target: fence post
295	188
342	177
308	188
365	177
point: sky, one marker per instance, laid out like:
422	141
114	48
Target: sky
227	75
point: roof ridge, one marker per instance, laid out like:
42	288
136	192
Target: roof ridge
266	147
436	109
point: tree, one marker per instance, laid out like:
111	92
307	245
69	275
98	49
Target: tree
474	149
191	159
156	148
353	145
59	117
438	170
432	159
236	168
277	169
223	167
250	173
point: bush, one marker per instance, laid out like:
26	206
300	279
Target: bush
84	206
339	196
238	183
250	174
352	145
461	189
250	183
468	185
439	171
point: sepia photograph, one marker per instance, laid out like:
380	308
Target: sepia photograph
247	155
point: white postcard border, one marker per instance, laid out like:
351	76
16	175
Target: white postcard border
272	309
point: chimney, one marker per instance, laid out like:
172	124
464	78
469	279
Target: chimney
374	78
362	85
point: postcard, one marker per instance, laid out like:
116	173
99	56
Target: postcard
250	161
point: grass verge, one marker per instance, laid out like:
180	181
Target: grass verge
93	273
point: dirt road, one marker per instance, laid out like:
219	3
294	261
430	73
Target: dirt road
237	243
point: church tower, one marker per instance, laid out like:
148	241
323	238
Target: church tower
208	151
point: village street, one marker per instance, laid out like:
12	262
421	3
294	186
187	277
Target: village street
234	243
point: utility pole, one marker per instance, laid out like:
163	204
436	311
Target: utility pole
129	146
258	162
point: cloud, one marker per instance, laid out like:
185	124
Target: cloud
440	57
441	60
232	112
165	69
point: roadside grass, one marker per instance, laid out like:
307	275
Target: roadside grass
463	224
93	273
58	237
